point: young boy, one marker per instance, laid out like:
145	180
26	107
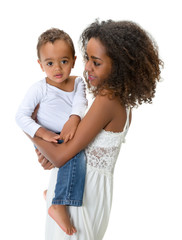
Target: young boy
62	103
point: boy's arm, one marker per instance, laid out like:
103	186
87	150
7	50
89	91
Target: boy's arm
27	107
47	135
43	132
78	110
80	102
69	128
26	114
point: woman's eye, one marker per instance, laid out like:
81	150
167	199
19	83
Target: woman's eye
96	64
50	64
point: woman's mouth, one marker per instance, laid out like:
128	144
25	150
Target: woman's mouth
91	78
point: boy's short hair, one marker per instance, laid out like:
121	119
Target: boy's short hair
51	35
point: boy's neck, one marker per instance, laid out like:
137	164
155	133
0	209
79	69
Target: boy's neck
67	85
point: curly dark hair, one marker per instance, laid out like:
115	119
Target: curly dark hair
135	61
51	35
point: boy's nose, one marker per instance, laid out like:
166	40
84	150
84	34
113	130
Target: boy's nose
58	65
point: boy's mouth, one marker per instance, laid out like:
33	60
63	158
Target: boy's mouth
58	75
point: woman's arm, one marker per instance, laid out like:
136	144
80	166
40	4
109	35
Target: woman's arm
99	115
43	161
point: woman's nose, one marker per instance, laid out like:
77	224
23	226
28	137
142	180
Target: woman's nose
88	66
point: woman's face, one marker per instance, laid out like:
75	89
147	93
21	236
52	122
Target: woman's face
98	64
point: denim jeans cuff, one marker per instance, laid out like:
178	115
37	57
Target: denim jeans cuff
76	203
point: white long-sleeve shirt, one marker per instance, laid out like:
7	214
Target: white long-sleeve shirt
55	106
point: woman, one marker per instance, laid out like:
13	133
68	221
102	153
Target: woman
122	68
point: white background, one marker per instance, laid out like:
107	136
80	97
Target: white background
147	202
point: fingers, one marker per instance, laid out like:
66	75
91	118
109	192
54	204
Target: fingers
55	138
43	161
66	138
37	151
46	164
61	136
49	166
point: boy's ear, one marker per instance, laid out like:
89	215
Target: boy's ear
74	61
40	64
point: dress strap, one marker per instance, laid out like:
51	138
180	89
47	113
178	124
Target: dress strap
127	124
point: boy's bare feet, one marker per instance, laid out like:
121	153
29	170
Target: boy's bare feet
60	215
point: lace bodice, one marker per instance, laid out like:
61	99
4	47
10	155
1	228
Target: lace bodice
103	151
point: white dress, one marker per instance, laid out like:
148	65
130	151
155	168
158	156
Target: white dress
92	218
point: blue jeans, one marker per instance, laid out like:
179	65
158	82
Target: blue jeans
70	181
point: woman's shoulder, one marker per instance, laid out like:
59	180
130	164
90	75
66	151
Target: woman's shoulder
115	110
102	104
105	98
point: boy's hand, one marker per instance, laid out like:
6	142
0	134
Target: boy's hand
47	135
69	128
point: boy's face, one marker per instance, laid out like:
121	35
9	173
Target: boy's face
56	60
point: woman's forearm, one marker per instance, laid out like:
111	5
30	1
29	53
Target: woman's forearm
98	116
50	151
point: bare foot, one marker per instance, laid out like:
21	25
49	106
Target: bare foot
45	194
60	215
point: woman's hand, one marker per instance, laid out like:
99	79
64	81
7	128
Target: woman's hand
43	161
34	114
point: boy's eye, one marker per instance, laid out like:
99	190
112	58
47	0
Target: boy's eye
64	61
50	63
